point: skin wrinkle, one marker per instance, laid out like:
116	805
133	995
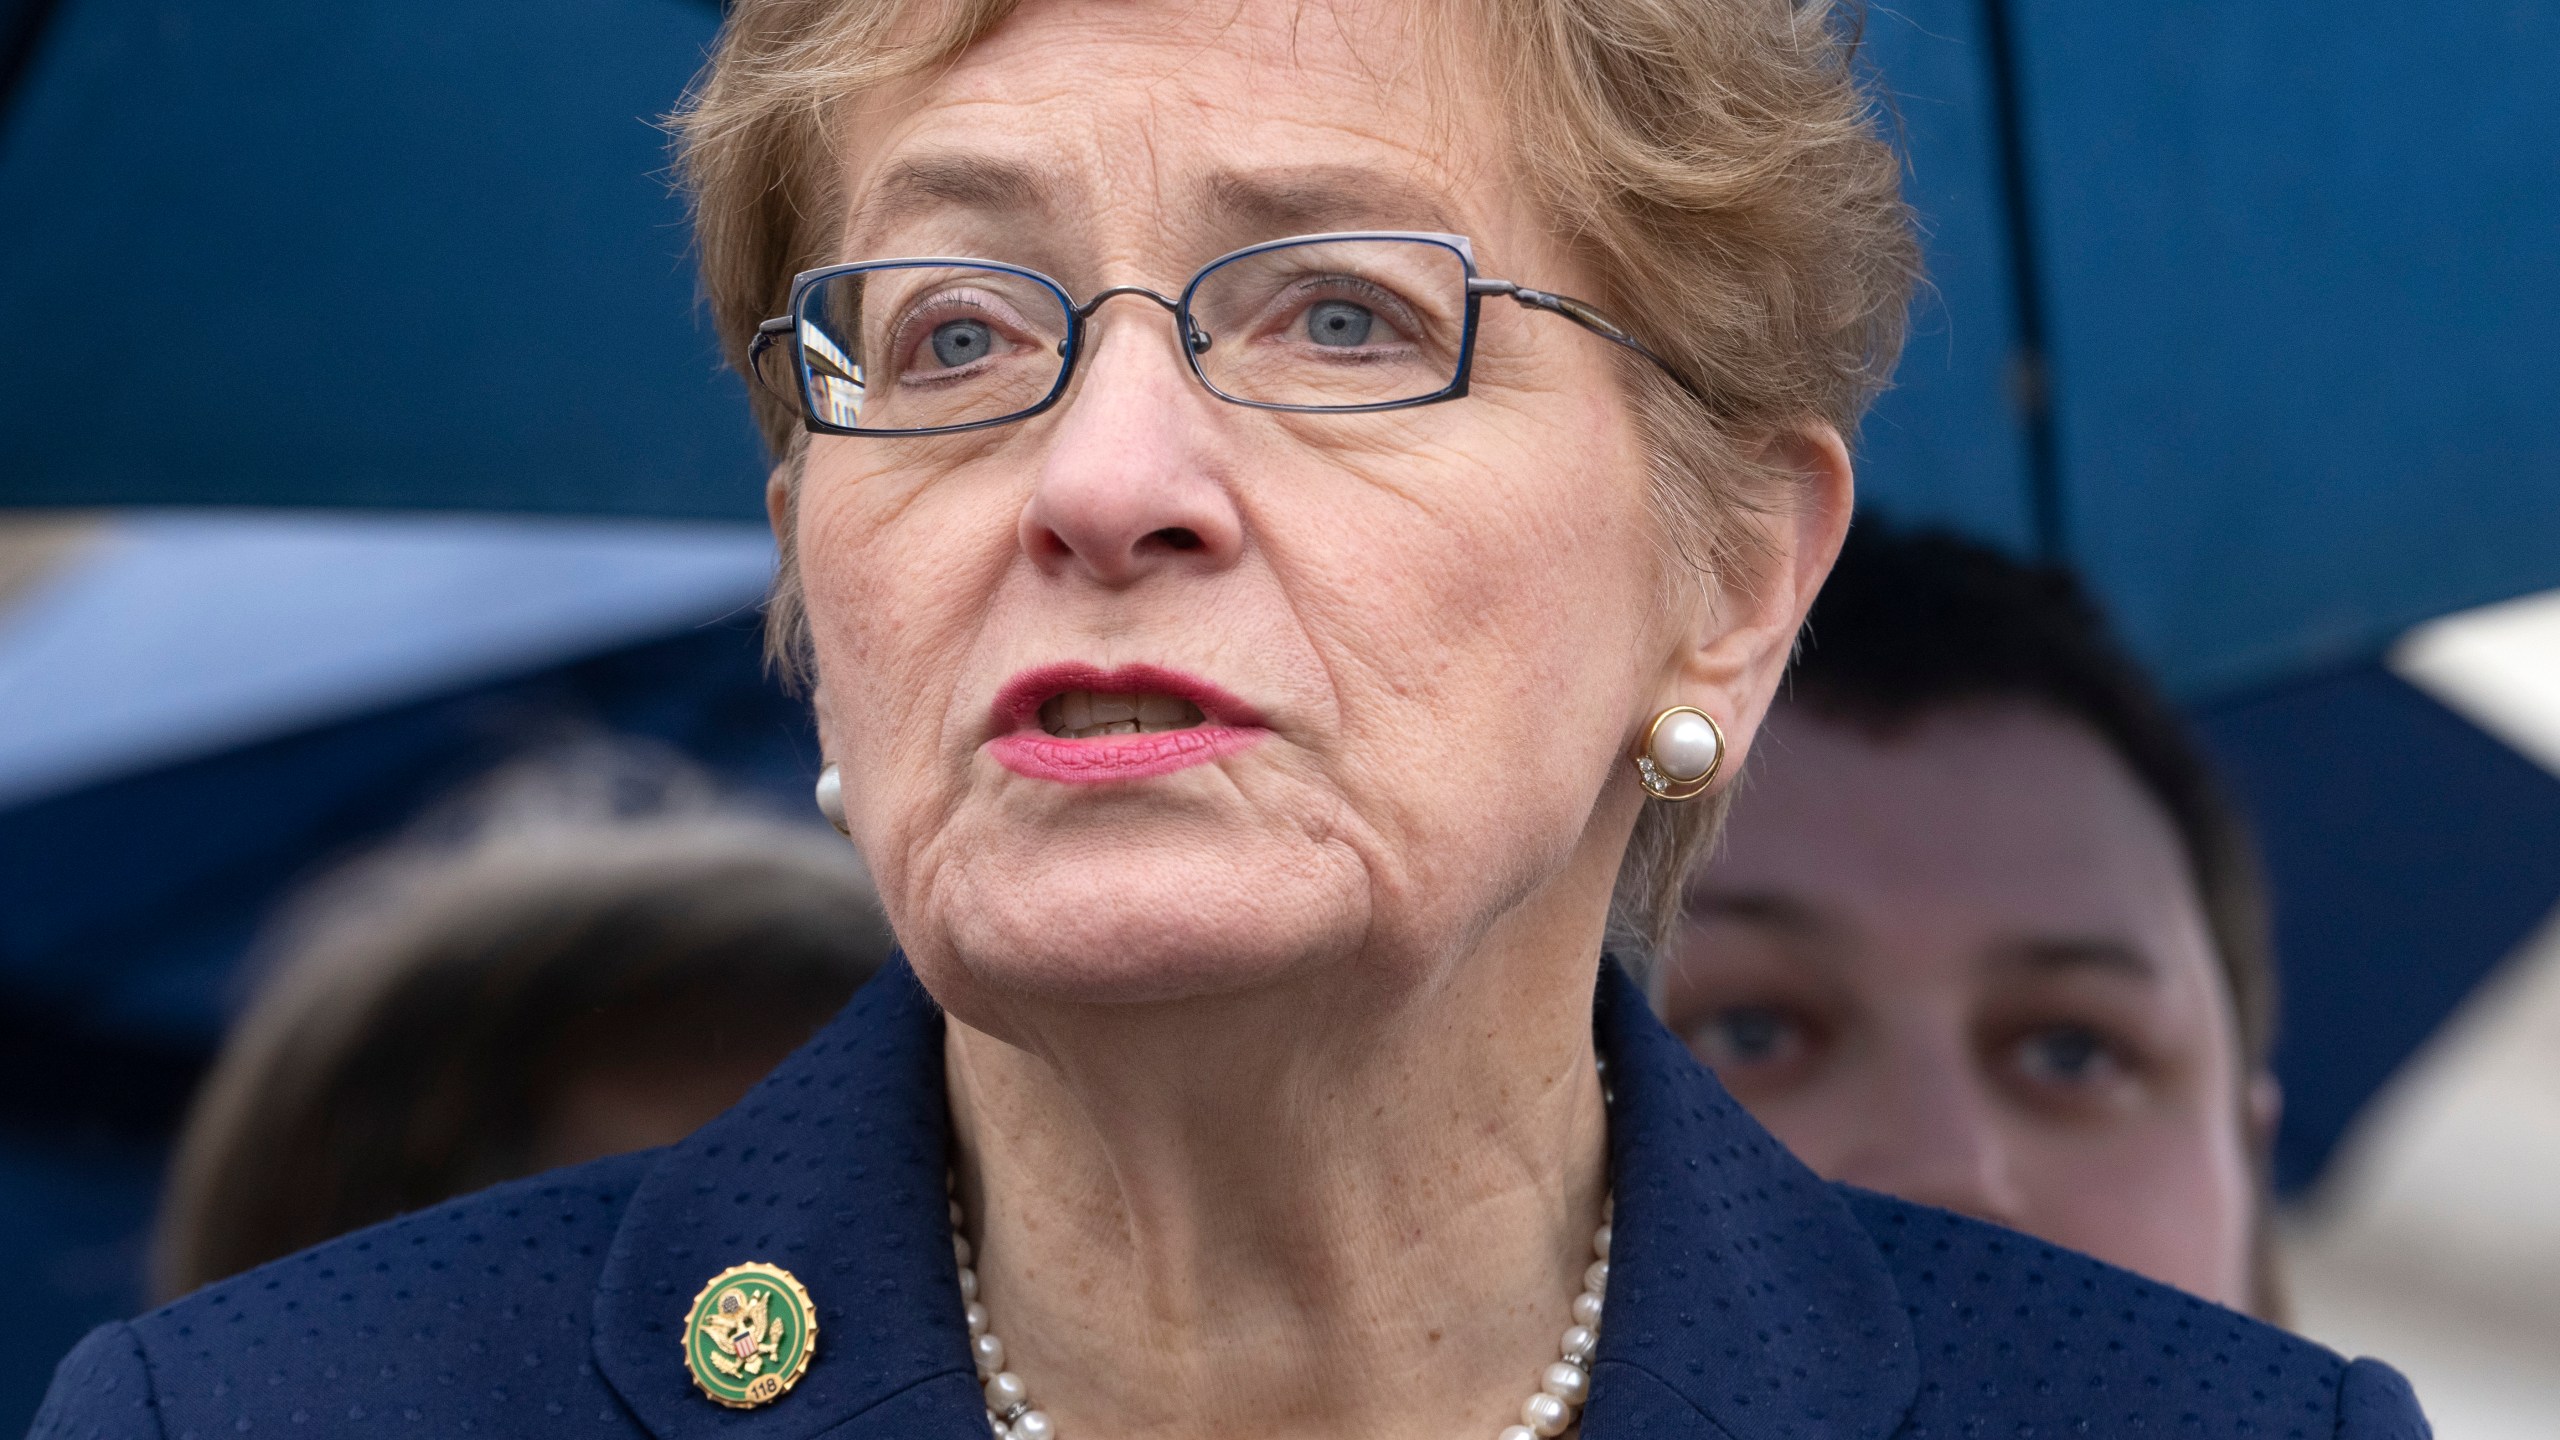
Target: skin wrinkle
1246	207
921	186
1263	1072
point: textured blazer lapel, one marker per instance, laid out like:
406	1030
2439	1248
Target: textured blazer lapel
832	1169
1742	1290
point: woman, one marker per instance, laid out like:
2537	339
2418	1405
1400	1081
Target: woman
1240	717
1984	933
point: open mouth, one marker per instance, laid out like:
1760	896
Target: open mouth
1090	714
1081	724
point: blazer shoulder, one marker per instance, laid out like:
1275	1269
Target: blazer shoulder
2375	1403
101	1391
495	1288
2013	1328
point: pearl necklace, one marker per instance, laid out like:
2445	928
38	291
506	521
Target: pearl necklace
1549	1412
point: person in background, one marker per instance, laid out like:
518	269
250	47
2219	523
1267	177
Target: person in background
1987	934
565	983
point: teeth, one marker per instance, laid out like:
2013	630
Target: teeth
1083	715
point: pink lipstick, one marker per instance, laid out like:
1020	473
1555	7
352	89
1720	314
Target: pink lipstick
1084	725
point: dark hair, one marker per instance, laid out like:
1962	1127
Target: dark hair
1915	623
428	1013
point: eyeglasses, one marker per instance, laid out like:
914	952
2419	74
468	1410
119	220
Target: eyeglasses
1339	324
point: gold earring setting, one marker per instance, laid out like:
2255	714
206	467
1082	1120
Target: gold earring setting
1682	751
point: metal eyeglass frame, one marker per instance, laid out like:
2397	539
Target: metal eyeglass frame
784	329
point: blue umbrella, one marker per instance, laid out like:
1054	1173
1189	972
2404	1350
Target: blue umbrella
2242	309
357	252
174	636
2408	853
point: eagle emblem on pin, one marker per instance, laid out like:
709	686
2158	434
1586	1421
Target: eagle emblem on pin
750	1335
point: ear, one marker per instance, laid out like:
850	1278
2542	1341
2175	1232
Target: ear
1739	645
2266	1111
777	504
781	512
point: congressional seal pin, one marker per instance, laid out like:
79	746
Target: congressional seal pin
750	1335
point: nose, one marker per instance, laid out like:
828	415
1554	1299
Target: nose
1932	1132
1134	480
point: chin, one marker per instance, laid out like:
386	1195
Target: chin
1135	923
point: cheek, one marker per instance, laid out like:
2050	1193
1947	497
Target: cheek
894	585
1484	609
2171	1199
1521	550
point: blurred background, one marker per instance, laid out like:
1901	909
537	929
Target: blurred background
360	437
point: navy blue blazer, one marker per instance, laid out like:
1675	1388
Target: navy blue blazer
1748	1300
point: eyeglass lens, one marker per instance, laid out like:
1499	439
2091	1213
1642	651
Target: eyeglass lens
1334	324
926	346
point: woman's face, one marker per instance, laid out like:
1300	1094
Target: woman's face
1966	966
1407	649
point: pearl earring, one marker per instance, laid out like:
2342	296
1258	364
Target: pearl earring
1682	751
831	798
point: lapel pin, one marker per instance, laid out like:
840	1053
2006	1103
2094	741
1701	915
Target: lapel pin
749	1335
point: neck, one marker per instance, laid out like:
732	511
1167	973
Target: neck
1317	1211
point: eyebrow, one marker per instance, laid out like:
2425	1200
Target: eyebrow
1263	205
2047	956
919	183
1299	200
2044	955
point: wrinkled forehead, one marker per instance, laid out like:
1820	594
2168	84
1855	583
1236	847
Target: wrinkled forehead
1122	130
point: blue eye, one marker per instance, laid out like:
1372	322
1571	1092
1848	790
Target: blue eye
1339	322
961	342
2070	1054
1745	1036
1752	1033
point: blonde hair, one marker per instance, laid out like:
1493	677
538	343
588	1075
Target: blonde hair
1716	163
